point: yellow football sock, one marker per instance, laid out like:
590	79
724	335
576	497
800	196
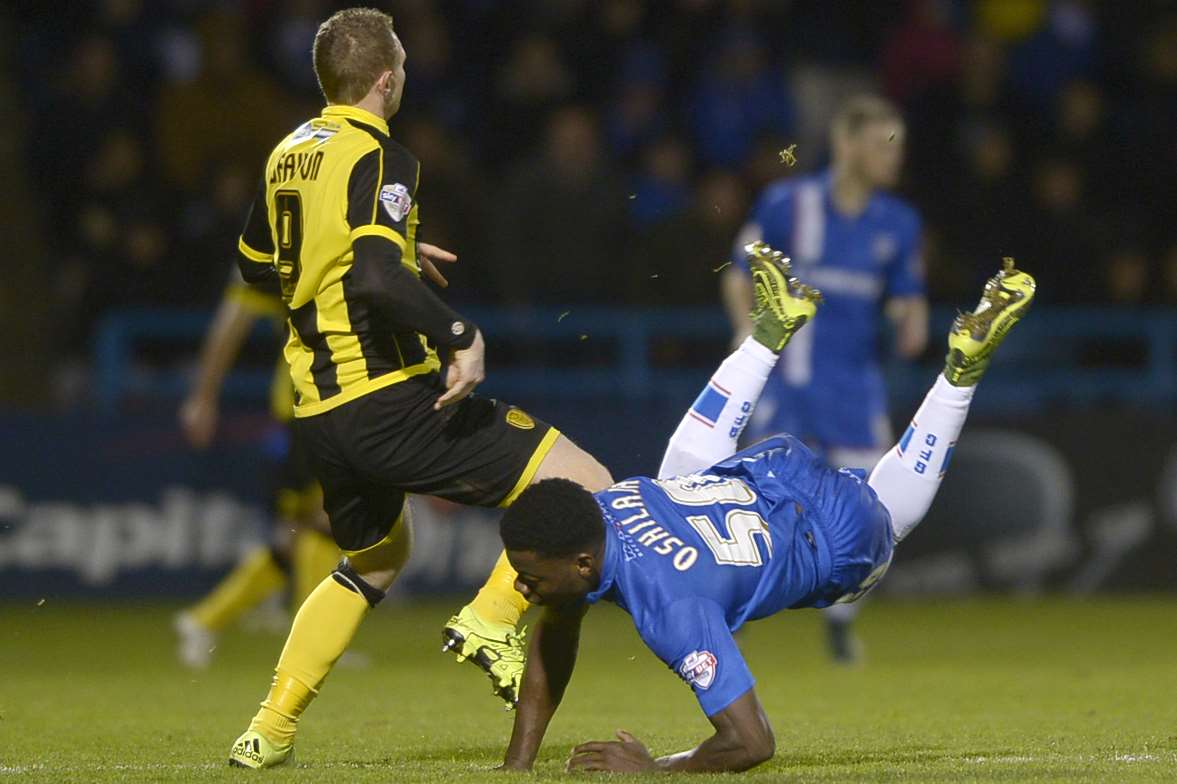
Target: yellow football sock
315	555
248	584
497	601
322	630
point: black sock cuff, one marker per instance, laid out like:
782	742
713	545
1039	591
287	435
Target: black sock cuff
349	579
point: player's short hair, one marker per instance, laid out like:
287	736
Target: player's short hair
555	517
351	50
863	110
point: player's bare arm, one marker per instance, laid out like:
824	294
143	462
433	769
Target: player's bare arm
430	256
200	410
743	739
550	661
910	317
736	291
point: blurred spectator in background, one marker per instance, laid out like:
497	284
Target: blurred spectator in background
740	97
1128	277
1058	233
991	185
1030	121
1169	275
86	102
208	225
638	111
1062	47
434	89
453	206
663	186
560	220
676	261
923	54
533	82
1152	116
117	239
230	111
290	39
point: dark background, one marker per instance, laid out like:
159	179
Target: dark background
591	163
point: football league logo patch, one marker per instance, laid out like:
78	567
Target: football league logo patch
397	201
516	418
698	668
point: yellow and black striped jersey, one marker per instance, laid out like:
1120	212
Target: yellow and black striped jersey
337	179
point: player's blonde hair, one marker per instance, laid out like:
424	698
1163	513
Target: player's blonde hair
351	50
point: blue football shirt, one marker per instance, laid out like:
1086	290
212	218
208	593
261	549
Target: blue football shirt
692	558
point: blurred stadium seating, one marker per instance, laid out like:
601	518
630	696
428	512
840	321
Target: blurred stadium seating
590	162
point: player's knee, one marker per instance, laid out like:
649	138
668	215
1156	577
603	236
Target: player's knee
379	565
352	580
587	471
597	477
566	460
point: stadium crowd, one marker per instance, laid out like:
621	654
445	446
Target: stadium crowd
604	150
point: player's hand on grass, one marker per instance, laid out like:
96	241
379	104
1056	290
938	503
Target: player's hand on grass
429	257
465	371
198	420
627	754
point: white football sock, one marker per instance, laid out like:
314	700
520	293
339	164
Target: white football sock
842	613
908	476
711	428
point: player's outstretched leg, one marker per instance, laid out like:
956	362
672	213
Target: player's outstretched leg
907	478
485	632
712	426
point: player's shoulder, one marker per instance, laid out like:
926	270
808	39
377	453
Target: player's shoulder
396	163
400	162
394	150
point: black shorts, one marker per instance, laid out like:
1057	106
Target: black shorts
368	453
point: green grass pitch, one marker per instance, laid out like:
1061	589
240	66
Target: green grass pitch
994	690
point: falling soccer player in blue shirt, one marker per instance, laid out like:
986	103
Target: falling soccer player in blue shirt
861	246
720	538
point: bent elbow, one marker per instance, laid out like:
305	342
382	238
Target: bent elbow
759	750
762	753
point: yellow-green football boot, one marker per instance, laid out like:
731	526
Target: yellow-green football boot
783	303
496	649
975	336
254	750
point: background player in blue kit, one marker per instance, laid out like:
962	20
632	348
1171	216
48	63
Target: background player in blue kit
723	538
861	246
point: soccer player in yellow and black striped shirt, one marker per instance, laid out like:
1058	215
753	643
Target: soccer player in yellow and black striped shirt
334	228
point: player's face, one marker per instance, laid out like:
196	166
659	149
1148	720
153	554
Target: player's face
879	153
552	581
396	81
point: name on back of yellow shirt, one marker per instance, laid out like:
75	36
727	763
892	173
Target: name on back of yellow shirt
303	165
